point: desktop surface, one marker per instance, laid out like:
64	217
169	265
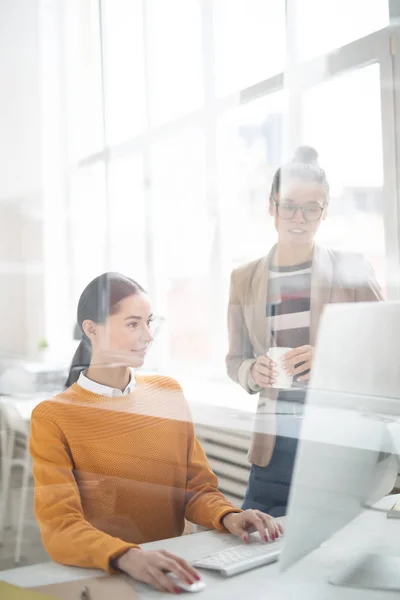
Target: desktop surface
307	580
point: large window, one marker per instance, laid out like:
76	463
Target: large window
127	218
179	113
83	78
322	26
184	237
174	58
88	226
250	42
249	150
124	69
342	118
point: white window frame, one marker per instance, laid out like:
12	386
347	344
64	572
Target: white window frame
380	47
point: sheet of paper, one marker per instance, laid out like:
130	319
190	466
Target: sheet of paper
118	587
12	592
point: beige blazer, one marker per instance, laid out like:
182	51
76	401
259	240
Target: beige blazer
335	277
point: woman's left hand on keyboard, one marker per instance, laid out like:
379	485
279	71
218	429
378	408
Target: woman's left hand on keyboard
241	524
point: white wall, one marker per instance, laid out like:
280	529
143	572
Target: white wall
20	97
21	229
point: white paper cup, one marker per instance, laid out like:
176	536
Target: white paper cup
284	380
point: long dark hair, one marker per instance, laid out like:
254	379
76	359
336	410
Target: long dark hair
98	301
304	166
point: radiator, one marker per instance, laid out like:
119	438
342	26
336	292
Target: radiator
226	450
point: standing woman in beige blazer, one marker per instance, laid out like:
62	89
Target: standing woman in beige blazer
277	301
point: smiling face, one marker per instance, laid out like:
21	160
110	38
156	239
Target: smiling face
291	225
124	338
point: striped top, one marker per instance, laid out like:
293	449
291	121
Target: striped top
288	304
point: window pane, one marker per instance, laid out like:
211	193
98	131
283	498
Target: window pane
174	58
250	42
127	219
249	146
184	236
334	122
83	78
322	26
88	226
179	191
124	69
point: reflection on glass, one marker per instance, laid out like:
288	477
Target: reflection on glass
325	25
249	147
181	212
124	69
184	237
83	78
342	120
88	218
174	58
127	218
250	41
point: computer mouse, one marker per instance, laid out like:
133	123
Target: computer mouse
197	586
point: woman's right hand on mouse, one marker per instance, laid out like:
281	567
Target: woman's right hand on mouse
151	566
264	372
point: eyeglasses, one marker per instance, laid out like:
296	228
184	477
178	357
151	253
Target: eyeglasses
156	324
153	325
310	213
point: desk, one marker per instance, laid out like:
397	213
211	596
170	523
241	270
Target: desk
306	580
26	404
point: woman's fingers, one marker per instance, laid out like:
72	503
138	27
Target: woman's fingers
265	362
297	351
300	367
305	366
264	371
270	524
264	367
264	381
264	375
258	523
263	378
305	377
162	582
152	579
152	567
301	358
187	570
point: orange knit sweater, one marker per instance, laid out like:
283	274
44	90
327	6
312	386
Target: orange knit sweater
111	473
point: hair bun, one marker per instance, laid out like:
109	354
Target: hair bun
306	155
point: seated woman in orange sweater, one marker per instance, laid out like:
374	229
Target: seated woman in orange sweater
115	458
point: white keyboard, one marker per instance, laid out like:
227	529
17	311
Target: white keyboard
241	558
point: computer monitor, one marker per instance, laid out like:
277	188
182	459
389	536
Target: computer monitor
346	460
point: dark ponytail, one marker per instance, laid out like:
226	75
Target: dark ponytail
304	166
98	301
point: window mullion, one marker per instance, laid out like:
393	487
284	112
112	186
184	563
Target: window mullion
292	82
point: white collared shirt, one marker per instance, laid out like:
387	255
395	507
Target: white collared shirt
104	390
